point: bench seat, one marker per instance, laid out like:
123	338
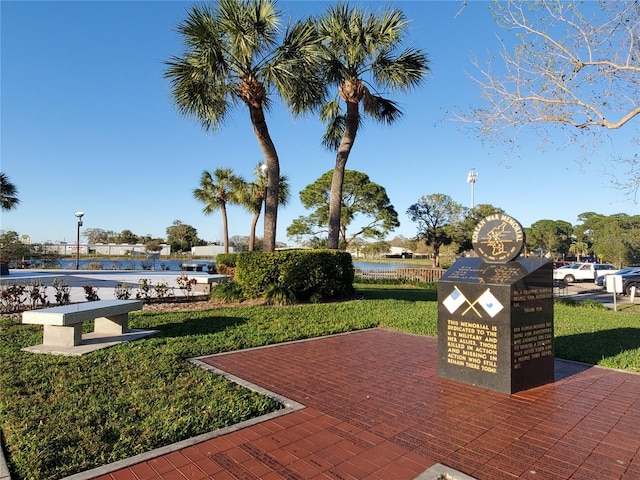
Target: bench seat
204	283
63	324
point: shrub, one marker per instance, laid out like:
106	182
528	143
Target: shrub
94	266
11	297
145	289
295	275
226	259
280	294
225	270
226	263
227	292
186	284
163	290
123	291
63	292
37	294
90	293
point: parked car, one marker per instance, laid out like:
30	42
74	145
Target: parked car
630	280
577	272
601	281
560	263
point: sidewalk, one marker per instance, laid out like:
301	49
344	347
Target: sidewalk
374	408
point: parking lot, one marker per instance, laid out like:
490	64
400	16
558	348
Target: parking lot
590	291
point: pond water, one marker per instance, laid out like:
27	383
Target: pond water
133	264
176	265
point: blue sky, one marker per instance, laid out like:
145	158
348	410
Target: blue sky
88	124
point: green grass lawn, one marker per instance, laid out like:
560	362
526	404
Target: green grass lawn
63	415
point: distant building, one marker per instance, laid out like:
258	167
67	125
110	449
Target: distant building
209	251
106	249
357	251
399	252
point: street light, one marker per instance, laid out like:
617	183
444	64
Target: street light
79	215
472	178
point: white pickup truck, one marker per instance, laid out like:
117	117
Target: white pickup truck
577	272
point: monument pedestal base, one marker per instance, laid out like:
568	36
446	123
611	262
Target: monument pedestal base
495	324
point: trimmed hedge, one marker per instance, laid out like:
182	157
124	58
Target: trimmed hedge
226	259
291	276
226	263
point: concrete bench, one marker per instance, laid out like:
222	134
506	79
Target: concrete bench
204	283
63	324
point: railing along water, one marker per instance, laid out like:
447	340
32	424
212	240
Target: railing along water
419	274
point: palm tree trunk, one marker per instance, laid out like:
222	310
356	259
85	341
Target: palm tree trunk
343	236
273	176
225	227
252	234
335	203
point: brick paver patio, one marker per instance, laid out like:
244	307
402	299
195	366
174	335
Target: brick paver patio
376	409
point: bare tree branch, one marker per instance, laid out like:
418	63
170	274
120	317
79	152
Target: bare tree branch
587	75
575	66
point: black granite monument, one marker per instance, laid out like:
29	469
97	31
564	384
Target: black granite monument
495	313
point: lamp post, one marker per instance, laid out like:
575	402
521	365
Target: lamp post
79	215
472	178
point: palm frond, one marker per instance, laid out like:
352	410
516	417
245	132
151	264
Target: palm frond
401	72
8	193
251	28
218	189
330	110
295	68
357	44
389	28
199	77
335	119
197	96
284	190
333	134
381	109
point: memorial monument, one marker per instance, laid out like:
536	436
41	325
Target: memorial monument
495	313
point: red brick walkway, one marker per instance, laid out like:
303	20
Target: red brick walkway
376	409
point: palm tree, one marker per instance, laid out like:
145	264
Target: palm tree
356	44
8	193
232	57
579	249
216	191
252	198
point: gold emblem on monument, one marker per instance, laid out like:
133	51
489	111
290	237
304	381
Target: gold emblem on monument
498	238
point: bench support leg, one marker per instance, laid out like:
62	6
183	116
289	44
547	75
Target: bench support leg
114	325
62	336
